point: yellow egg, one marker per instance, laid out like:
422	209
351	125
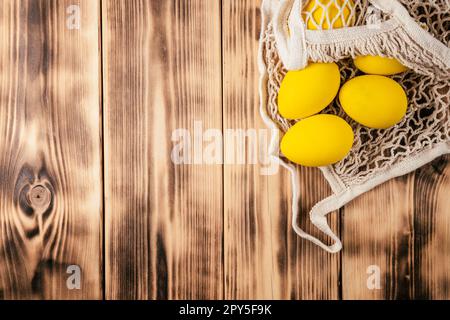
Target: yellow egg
317	141
337	12
379	65
374	101
306	92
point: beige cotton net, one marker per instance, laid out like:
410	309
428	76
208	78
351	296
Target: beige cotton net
414	32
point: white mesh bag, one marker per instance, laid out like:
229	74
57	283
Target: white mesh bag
414	32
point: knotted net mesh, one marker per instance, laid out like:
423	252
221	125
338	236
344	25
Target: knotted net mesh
427	121
333	14
330	14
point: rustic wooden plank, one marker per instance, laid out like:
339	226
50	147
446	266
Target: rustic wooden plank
263	256
303	270
378	239
432	230
50	153
164	222
402	227
248	244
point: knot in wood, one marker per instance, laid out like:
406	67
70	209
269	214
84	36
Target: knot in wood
40	197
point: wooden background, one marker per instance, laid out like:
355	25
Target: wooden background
86	178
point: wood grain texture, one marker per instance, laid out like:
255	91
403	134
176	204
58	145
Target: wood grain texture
378	232
50	152
264	259
432	230
173	71
248	250
403	227
162	72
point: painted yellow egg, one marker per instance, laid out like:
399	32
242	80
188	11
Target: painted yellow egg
320	14
379	65
308	91
374	101
318	141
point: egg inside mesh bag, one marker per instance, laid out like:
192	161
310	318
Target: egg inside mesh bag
413	32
